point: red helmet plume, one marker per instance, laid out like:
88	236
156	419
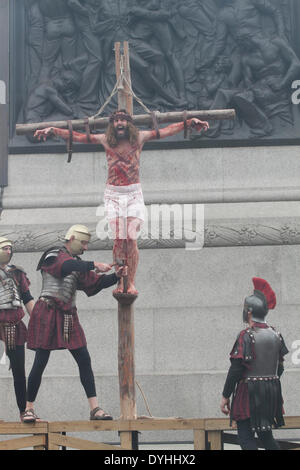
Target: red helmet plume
264	287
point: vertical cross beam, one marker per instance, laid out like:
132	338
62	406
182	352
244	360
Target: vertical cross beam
125	100
126	362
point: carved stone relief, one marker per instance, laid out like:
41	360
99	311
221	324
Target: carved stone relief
196	54
37	238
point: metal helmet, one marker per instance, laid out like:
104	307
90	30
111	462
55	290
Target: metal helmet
260	302
81	234
5	256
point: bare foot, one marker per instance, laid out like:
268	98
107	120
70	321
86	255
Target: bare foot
119	290
132	290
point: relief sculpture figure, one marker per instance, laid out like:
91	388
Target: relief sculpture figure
60	35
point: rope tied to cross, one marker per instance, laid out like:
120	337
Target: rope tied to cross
119	86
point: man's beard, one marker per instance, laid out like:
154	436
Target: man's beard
122	135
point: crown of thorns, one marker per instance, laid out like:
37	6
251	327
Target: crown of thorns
120	115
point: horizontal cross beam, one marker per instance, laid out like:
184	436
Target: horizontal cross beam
139	119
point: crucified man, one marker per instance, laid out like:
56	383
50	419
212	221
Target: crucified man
123	197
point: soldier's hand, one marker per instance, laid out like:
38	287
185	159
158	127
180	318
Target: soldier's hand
225	405
122	271
102	267
199	125
42	134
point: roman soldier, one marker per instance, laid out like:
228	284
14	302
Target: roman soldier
14	291
54	323
254	376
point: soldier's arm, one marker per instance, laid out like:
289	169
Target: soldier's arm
29	306
235	374
81	266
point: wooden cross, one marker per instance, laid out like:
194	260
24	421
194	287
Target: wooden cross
126	362
125	100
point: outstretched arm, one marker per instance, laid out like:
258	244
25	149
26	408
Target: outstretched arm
43	134
173	129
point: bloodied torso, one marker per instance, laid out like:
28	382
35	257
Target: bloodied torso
123	164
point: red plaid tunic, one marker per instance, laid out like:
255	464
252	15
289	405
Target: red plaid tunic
240	407
45	328
15	315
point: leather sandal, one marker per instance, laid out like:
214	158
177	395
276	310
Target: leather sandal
28	416
104	416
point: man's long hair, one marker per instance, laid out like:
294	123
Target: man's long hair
131	131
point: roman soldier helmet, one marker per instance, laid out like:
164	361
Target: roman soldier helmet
260	302
5	256
81	234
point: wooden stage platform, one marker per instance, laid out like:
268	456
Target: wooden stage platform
209	434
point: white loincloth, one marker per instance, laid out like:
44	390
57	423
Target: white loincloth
124	201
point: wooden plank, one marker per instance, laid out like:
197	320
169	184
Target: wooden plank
55	440
292	422
122	65
150	424
21	428
126	363
127	86
216	424
23	442
140	119
81	426
215	440
126	440
199	439
121	94
51	443
155	424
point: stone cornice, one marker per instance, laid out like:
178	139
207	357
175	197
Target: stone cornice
37	238
219	225
168	196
